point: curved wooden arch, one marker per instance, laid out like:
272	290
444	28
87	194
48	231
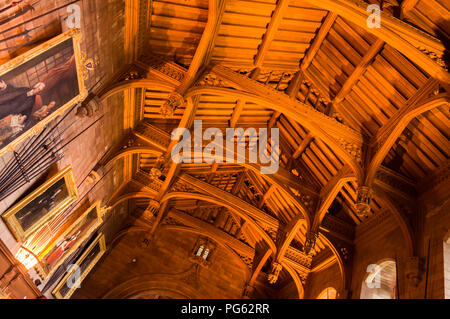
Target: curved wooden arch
401	36
301	118
328	199
135	84
128	196
272	179
296	279
217	201
131	151
396	126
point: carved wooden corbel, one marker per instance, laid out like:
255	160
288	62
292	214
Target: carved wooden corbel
310	242
274	273
363	201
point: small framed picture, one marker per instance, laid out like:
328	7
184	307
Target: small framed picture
49	199
81	269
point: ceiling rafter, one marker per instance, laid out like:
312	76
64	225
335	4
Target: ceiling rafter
398	34
291	91
253	212
329	193
277	17
389	133
303	146
337	135
132	10
317	43
283	178
201	57
240	104
375	48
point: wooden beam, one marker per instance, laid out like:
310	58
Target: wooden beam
389	133
277	17
333	133
408	5
318	40
295	277
264	95
291	91
324	264
266	196
401	36
393	183
359	70
251	211
240	103
186	121
205	47
303	146
131	30
237	113
294	85
259	265
329	193
231	205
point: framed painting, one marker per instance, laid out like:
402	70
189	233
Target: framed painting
87	261
38	86
70	240
33	211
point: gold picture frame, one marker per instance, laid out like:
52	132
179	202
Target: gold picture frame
31	213
84	265
23	73
51	258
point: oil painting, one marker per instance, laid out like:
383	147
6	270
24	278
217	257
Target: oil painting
33	211
38	86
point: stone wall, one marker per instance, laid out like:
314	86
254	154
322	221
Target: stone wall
164	268
317	282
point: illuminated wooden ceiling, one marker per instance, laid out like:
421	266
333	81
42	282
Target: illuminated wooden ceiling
355	107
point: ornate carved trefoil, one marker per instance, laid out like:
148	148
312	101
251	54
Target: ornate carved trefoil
363	201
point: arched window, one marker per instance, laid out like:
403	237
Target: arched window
329	293
380	281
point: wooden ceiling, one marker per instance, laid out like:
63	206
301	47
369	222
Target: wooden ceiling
355	107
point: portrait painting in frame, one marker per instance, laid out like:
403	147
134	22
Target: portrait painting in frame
38	86
70	240
38	207
84	264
